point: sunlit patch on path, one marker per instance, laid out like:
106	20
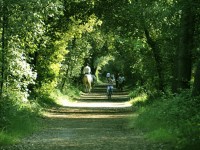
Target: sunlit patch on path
98	99
92	122
94	105
98	104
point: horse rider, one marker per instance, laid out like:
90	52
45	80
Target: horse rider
87	78
87	69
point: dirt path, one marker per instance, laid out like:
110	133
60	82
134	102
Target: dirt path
92	123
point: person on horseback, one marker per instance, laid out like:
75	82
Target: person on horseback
87	69
87	78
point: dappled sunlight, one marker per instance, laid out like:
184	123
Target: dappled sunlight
103	96
98	104
86	115
93	105
84	138
141	98
89	122
97	99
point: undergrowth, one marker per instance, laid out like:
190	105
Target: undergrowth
57	98
18	119
68	94
172	119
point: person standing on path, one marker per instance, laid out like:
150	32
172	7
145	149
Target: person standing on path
121	81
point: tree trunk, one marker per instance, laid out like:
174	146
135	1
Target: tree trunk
184	61
155	50
158	60
4	45
196	86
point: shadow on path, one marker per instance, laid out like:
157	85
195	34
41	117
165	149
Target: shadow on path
92	123
98	99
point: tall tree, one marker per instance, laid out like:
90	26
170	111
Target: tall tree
196	86
184	51
4	26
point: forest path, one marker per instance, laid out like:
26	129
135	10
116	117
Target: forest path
92	123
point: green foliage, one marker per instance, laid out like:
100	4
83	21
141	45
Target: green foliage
162	135
57	98
174	119
138	97
46	101
101	63
14	115
71	91
44	45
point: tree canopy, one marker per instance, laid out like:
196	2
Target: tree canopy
46	43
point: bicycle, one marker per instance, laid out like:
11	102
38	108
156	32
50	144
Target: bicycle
109	91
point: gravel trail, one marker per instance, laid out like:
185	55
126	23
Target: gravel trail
91	123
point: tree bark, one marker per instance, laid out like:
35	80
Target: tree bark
196	86
184	61
155	50
3	44
158	60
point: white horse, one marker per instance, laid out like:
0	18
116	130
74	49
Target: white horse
87	81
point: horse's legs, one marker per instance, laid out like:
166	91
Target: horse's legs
89	87
86	88
87	83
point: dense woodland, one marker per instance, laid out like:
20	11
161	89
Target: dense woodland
45	43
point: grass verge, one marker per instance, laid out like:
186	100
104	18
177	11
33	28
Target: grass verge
172	119
18	121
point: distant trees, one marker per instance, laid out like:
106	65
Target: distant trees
44	44
158	37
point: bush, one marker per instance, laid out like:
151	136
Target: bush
174	119
14	114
